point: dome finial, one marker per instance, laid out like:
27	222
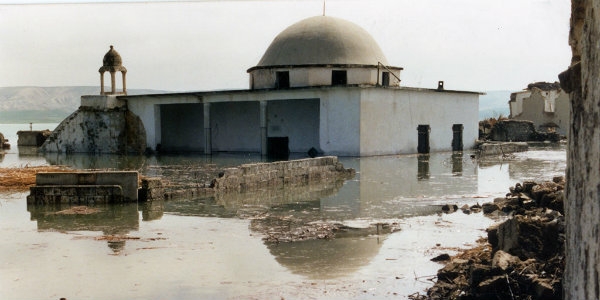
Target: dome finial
323	8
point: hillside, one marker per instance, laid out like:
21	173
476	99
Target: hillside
45	104
494	104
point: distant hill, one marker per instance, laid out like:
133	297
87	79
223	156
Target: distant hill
494	104
46	104
53	104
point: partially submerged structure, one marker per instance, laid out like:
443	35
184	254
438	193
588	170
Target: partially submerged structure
323	84
543	103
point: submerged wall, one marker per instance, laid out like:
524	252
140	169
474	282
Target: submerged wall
250	177
33	137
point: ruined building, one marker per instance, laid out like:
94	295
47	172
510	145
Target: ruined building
543	103
322	85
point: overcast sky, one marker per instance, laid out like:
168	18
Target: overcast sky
478	45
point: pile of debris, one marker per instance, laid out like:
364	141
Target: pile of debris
525	256
509	130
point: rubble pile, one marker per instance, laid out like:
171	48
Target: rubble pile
524	257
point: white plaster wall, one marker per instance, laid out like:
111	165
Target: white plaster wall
317	76
389	119
516	107
296	119
300	77
340	121
235	126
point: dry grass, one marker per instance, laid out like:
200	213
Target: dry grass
21	178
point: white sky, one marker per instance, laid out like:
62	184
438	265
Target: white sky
477	45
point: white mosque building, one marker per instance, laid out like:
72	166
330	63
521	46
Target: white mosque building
322	84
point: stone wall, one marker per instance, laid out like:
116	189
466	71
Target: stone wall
519	131
502	148
296	172
84	187
90	130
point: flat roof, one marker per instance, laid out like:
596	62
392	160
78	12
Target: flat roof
250	91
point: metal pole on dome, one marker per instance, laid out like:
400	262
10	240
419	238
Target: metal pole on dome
323	8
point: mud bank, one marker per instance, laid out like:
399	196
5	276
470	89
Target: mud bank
523	257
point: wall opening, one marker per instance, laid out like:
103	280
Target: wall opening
282	80
423	131
181	128
457	137
385	78
339	77
298	119
278	148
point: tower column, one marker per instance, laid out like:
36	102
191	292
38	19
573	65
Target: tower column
113	88
207	131
101	83
124	73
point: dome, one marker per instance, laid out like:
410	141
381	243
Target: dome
112	61
322	40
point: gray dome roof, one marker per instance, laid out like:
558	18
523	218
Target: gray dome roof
323	40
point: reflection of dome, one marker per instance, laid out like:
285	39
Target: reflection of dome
326	259
322	40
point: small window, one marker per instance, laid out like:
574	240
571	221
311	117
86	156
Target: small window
283	80
339	77
385	78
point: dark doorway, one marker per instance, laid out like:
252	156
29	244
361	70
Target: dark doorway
457	137
339	77
423	131
385	78
278	148
283	80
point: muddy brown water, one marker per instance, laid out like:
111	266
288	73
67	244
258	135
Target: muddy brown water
209	248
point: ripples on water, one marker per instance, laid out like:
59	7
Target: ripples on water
205	248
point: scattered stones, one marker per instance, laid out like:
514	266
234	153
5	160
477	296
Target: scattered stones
449	208
524	257
489	208
441	257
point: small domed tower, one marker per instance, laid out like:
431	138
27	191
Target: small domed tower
112	63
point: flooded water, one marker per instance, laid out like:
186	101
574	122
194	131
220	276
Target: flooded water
212	248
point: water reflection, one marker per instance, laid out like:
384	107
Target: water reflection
27	151
110	219
317	259
386	189
457	163
423	166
